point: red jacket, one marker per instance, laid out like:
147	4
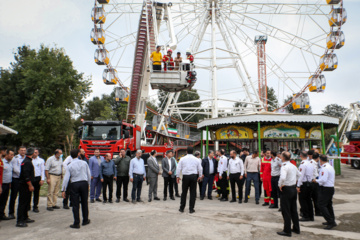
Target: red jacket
191	58
265	169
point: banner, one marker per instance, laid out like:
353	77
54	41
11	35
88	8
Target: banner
233	133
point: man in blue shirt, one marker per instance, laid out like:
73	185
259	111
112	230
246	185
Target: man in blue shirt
78	173
107	174
137	175
94	165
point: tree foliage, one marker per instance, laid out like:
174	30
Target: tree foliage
38	95
335	110
272	99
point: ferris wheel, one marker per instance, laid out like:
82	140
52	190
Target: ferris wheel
241	48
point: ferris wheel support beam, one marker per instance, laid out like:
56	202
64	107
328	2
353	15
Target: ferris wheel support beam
236	64
214	109
201	31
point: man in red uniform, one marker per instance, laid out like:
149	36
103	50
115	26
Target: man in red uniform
265	176
168	61
189	56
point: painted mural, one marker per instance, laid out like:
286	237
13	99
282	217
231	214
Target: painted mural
282	131
315	133
234	132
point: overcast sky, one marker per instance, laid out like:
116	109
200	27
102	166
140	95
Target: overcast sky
67	24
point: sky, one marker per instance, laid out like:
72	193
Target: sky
67	24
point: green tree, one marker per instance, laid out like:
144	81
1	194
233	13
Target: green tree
290	109
335	110
272	99
185	96
38	95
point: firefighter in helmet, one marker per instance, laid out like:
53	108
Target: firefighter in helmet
168	61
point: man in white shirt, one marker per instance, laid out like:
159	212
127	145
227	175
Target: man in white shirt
275	175
223	182
287	184
190	167
304	188
236	175
39	168
326	192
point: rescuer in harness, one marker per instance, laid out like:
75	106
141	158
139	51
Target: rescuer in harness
156	58
168	61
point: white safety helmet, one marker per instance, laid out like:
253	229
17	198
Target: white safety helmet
188	52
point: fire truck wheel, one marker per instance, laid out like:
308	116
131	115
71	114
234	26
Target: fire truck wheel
355	164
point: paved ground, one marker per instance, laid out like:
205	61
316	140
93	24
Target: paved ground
212	220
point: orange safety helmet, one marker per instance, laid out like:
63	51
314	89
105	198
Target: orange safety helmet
170	50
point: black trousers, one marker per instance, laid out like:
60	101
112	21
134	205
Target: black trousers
80	193
24	202
176	187
108	182
275	191
36	193
235	178
67	195
4	198
289	208
157	67
305	200
168	183
14	194
325	203
223	185
189	181
122	181
315	197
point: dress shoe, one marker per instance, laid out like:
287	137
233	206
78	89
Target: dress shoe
67	207
284	234
133	201
21	224
105	201
156	198
304	219
56	207
49	209
35	210
240	201
149	200
201	198
92	201
28	220
172	198
191	211
177	195
273	206
295	231
75	226
257	202
98	200
210	198
86	223
11	216
181	210
330	226
266	204
279	210
224	200
164	199
245	201
110	201
126	200
5	218
233	200
325	223
117	200
139	200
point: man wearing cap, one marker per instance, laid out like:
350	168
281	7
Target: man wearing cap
156	58
27	175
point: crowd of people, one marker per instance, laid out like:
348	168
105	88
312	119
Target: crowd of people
270	172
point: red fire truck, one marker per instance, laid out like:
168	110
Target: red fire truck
351	152
111	136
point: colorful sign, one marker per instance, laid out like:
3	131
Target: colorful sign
315	133
233	133
282	131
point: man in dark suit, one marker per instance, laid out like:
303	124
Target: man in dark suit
169	167
209	165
